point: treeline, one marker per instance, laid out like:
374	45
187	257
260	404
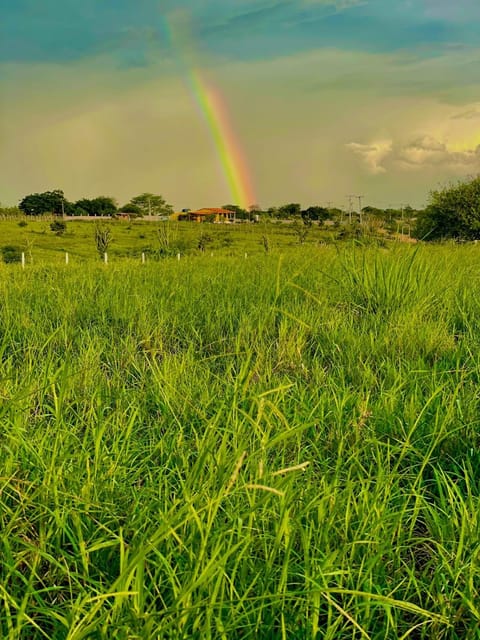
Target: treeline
389	217
452	212
55	203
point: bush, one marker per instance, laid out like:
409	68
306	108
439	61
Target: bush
58	227
11	254
453	212
103	238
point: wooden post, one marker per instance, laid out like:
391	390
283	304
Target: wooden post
143	258
23	260
66	257
178	256
105	257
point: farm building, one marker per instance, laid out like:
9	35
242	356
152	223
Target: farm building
211	214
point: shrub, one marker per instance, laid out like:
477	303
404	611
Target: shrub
11	254
58	227
103	238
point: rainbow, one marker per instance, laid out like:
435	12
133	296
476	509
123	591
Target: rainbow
214	110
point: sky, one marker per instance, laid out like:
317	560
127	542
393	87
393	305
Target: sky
210	102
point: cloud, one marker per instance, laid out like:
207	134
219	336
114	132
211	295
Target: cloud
427	151
119	130
417	154
470	114
64	31
372	154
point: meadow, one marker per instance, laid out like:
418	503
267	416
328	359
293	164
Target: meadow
129	239
283	446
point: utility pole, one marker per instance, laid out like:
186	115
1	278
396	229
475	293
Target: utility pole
350	207
360	206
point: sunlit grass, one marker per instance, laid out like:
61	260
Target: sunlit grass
221	447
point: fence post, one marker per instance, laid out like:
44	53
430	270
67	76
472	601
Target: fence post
178	256
105	257
23	260
66	257
143	258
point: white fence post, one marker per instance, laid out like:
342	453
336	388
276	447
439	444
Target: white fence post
178	256
105	257
23	260
66	257
143	258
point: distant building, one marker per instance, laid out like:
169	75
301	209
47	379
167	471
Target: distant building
211	214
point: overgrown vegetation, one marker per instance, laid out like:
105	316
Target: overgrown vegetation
103	238
231	448
11	254
59	227
453	212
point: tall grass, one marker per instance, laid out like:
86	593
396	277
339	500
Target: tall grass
223	448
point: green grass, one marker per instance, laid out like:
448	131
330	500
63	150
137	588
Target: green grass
131	238
280	447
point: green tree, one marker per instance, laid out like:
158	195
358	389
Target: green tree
37	204
152	205
315	213
103	238
101	206
291	210
131	208
452	212
9	212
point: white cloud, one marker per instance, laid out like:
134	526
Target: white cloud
417	154
428	151
372	154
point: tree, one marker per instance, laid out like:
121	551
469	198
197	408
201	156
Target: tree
152	205
452	212
131	208
291	210
315	213
103	238
9	212
101	206
36	204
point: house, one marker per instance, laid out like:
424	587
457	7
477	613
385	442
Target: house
212	214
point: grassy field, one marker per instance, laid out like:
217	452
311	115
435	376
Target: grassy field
131	238
284	446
